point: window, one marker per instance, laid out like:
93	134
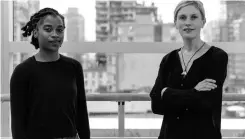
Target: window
132	64
86	83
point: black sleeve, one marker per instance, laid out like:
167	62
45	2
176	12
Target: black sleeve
157	105
82	119
19	86
202	100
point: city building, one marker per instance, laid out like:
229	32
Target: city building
123	21
99	79
74	25
211	31
234	11
141	30
109	14
236	64
94	79
148	31
170	33
233	31
74	31
22	11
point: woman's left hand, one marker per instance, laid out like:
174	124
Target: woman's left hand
206	85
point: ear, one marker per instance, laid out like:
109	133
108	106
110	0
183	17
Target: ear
176	25
203	22
35	33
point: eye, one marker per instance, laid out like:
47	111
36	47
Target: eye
48	29
60	30
194	17
182	17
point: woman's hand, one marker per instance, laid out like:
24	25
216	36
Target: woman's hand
206	85
163	90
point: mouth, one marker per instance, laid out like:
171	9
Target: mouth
188	30
55	42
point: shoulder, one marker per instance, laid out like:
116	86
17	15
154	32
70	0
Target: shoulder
24	68
169	56
71	61
219	54
26	65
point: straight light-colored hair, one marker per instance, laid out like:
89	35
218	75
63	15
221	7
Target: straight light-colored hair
198	4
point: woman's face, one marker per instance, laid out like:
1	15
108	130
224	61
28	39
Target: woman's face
50	33
189	22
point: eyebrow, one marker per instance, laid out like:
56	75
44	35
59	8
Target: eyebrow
49	25
187	15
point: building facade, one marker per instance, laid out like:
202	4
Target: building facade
233	31
110	14
22	11
74	25
121	21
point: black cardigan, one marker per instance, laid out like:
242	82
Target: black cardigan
189	113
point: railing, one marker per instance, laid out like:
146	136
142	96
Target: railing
121	98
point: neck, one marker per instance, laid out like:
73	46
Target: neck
191	45
48	56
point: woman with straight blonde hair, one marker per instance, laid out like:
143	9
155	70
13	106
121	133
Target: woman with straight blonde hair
188	87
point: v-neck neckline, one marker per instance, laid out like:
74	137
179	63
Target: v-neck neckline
179	59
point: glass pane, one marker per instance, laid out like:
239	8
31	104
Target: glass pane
23	10
134	21
138	70
103	118
140	122
136	74
235	82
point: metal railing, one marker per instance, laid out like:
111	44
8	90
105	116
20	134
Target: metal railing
121	98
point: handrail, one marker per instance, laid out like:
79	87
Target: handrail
137	138
122	97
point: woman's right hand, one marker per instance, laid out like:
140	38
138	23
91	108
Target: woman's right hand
163	90
206	85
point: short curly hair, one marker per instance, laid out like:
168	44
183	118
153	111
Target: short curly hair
34	20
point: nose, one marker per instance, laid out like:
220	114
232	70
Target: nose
187	22
54	34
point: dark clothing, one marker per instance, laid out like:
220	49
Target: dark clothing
189	113
48	100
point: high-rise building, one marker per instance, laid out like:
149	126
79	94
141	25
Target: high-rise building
74	25
141	30
234	11
211	31
22	12
109	14
237	61
232	31
122	21
74	31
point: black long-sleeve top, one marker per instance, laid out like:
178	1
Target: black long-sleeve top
48	100
189	113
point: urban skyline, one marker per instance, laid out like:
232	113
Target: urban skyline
76	20
88	11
